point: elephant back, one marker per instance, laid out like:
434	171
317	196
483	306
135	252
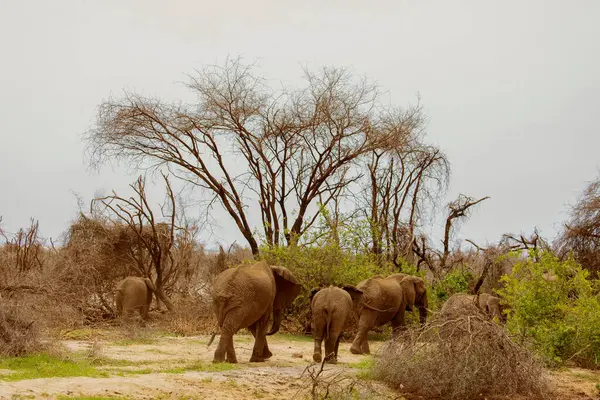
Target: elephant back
382	293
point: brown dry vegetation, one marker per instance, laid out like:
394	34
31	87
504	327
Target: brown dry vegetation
461	355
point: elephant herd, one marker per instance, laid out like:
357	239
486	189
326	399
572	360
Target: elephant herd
247	296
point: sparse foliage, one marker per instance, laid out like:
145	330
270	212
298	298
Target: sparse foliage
298	146
581	233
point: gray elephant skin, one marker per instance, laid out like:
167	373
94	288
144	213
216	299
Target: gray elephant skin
245	297
331	309
462	304
134	293
385	300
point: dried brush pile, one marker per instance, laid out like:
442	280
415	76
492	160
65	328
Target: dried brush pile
19	334
460	357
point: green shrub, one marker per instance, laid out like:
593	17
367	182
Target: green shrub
456	281
553	305
318	267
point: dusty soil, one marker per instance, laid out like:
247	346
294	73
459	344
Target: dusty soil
181	368
178	368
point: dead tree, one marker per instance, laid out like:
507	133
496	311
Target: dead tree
152	241
580	235
400	181
290	148
27	246
439	262
512	242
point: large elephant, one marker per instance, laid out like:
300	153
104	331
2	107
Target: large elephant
245	297
331	308
386	300
134	293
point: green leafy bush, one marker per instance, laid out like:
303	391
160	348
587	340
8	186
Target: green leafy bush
456	281
321	266
553	305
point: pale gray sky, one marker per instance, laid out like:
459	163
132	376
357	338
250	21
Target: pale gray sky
511	88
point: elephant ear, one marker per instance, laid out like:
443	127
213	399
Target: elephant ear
354	292
409	293
287	287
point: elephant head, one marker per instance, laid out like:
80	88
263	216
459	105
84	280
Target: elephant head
287	288
415	294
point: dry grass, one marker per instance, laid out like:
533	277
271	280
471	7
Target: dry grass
193	316
464	357
19	334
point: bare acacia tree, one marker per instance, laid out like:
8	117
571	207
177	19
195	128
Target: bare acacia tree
290	148
152	244
440	262
581	233
400	181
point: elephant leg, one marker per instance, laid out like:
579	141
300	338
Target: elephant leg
365	347
266	352
221	348
360	345
231	358
225	347
330	349
318	331
317	357
260	338
398	324
337	345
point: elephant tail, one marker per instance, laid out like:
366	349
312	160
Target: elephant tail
327	322
212	338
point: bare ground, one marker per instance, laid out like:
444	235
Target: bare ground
170	367
181	368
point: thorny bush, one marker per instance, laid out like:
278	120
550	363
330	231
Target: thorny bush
465	357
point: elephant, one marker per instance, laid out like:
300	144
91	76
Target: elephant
245	297
386	300
462	304
134	293
492	306
331	309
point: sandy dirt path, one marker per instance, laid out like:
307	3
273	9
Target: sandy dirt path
173	368
181	368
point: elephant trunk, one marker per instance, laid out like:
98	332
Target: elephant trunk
422	306
277	316
423	315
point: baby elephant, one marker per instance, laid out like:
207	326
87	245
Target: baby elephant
331	308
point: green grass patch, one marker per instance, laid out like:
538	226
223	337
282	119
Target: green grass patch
367	363
202	366
135	341
47	366
587	376
127	372
293	338
365	368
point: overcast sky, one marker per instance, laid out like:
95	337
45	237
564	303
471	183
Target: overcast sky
511	88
